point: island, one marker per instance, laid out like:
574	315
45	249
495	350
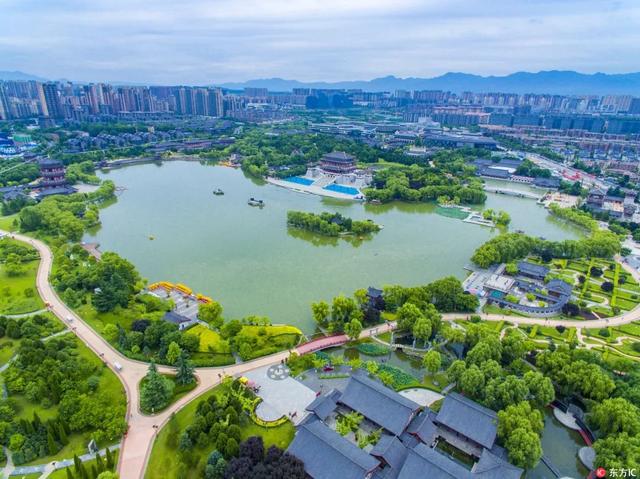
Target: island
331	224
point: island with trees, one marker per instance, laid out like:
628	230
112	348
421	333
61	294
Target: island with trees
331	224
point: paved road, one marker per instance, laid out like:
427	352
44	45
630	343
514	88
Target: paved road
137	444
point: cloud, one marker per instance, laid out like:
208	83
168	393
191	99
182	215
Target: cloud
205	41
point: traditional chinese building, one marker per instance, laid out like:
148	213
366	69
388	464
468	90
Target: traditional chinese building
338	162
53	173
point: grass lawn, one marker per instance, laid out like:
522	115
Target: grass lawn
440	378
62	473
14	298
627	348
631	329
178	391
163	461
210	340
8	347
384	337
6	222
109	386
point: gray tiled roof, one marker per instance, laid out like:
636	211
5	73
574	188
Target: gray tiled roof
391	450
492	467
328	455
424	427
340	156
175	318
559	286
324	405
469	418
428	463
532	269
378	403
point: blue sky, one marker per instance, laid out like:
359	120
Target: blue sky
214	41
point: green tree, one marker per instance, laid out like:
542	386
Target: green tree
407	315
618	451
173	352
107	475
156	391
616	415
422	329
516	416
432	361
524	448
472	381
353	329
184	373
211	313
454	373
540	388
320	312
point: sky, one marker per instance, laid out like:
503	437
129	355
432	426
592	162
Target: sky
217	41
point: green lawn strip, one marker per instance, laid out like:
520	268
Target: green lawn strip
631	329
8	347
6	222
616	275
14	298
430	381
597	333
163	461
627	348
34	475
179	390
62	473
587	276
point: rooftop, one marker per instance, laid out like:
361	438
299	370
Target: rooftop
532	269
379	403
469	418
326	454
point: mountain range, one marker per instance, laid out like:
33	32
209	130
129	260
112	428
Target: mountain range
553	82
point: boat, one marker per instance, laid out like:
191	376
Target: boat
255	202
152	238
218	192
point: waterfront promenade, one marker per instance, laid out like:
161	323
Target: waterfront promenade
138	442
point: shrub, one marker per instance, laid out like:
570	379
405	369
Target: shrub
604	332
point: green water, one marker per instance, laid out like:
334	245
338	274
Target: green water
561	446
249	260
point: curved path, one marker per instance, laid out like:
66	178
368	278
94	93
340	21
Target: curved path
138	442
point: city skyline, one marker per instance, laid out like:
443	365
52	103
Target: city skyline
211	43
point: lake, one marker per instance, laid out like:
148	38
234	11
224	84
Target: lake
252	263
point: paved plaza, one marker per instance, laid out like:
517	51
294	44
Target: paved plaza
424	397
281	394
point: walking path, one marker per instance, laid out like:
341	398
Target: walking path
138	442
24	315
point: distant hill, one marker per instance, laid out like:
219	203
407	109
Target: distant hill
17	75
555	82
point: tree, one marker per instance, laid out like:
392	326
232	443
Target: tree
110	332
173	352
211	313
454	373
184	374
472	381
524	448
516	416
320	311
432	361
353	329
540	388
107	475
619	451
407	315
422	329
501	393
513	347
156	391
607	286
484	351
617	415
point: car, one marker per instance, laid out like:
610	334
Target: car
117	365
70	319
